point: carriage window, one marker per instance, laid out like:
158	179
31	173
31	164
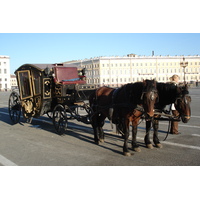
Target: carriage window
25	87
37	83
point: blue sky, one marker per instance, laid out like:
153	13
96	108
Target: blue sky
59	47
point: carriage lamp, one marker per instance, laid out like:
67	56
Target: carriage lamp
184	65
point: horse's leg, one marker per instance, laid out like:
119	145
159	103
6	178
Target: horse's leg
155	134
135	146
95	125
147	139
126	136
101	121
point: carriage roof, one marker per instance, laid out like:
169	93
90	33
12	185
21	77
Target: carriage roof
42	67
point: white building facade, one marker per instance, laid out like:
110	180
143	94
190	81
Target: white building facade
13	82
5	73
117	71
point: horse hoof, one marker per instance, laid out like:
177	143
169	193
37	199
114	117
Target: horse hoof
96	142
127	154
149	146
160	146
137	149
101	140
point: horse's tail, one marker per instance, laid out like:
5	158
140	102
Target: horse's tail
93	98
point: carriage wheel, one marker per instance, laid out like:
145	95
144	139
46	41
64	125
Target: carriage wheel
89	111
59	119
14	107
50	115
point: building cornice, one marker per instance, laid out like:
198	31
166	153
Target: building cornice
136	57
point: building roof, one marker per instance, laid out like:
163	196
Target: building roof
4	56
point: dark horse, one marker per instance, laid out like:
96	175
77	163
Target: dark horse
168	94
119	104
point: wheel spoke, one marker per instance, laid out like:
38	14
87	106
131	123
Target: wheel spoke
59	119
14	107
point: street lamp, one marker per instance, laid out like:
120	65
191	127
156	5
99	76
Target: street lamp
184	65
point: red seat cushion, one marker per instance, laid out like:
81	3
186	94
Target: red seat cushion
67	75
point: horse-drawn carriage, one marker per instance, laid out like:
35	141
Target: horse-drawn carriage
60	91
57	90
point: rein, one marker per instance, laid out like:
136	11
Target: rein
170	118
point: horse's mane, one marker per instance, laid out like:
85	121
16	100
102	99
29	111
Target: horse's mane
133	92
167	93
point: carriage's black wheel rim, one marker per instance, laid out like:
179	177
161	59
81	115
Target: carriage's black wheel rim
50	115
60	119
14	107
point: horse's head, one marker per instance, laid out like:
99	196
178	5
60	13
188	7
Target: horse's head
149	97
182	103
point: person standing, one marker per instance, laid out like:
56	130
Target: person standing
174	124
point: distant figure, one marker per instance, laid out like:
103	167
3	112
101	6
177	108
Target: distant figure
174	125
197	83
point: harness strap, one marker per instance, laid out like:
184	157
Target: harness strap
111	109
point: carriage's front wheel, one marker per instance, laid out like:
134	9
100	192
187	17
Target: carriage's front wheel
14	107
60	119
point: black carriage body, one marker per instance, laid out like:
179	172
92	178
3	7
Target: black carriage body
35	89
43	86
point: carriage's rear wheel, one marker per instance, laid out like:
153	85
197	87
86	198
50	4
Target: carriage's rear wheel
60	119
14	107
50	115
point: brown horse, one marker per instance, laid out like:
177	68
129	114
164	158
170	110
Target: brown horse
168	94
119	104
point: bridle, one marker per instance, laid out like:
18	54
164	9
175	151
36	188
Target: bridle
183	98
152	94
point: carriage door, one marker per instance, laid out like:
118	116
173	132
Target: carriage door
25	86
26	92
